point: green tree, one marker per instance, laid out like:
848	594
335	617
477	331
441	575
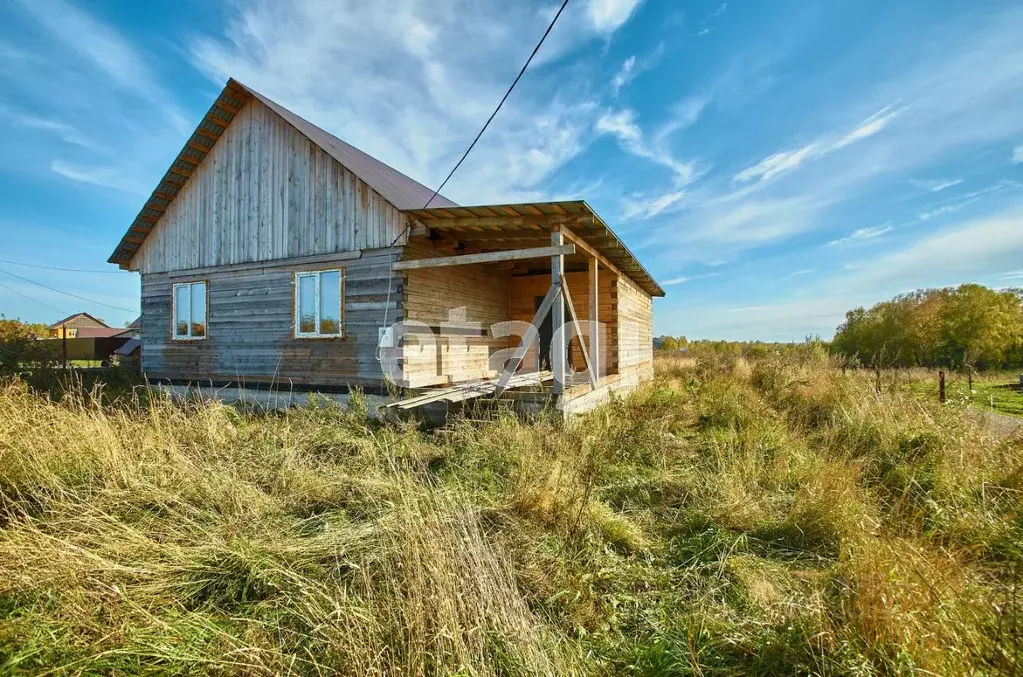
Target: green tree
23	345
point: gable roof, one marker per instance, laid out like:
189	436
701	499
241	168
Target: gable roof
397	188
76	315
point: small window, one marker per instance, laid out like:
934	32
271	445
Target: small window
319	299
188	310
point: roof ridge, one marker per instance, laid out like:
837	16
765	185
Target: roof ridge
267	100
399	199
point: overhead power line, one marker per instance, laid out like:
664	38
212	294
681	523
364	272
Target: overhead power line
472	145
501	103
66	270
37	301
66	293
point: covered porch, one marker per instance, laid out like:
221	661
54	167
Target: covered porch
469	271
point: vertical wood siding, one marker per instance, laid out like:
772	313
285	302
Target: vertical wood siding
250	325
266	192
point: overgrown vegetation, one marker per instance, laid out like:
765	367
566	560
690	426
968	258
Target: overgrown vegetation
21	347
736	516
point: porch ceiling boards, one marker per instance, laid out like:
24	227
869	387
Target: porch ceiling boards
490	227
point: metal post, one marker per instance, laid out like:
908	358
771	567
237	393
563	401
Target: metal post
559	350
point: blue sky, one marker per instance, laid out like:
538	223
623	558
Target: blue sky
772	164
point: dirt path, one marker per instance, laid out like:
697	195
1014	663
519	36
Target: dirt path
1003	424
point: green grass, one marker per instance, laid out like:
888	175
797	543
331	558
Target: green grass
995	391
730	518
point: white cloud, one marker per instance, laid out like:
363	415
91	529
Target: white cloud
622	124
419	79
607	16
967	199
674	281
646	206
950	256
624	74
777	163
103	48
107	177
862	234
786	161
1017	155
935	185
64	131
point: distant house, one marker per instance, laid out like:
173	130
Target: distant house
273	252
70	326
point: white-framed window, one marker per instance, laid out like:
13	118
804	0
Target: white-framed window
319	303
188	311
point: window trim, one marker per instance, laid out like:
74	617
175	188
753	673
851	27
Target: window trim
315	273
174	302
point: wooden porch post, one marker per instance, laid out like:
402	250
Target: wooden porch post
594	321
559	348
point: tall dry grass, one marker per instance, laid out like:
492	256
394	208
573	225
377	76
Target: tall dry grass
737	516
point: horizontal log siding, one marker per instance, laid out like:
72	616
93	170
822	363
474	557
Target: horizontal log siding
265	192
636	327
250	325
431	294
524	291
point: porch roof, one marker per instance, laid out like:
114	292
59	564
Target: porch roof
489	227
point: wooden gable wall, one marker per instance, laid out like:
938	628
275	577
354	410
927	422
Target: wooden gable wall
264	193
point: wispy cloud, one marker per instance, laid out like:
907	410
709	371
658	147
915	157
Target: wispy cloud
445	68
951	255
107	177
968	199
105	49
786	161
67	133
1017	154
862	234
624	74
935	185
622	125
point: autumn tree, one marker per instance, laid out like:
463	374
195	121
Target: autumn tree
969	326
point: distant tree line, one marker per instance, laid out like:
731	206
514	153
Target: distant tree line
965	327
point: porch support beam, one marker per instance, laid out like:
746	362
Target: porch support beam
592	274
520	352
588	249
558	251
578	332
559	346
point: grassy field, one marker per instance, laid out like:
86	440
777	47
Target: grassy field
731	518
993	391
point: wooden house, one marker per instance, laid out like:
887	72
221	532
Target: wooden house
70	326
272	252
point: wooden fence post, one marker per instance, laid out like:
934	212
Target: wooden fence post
941	386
